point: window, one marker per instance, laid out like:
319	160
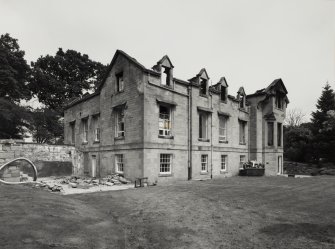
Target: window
96	124
223	94
279	101
85	130
164	121
73	132
203	86
119	163
120	122
119	82
223	162
270	133
242	125
203	125
222	128
165	164
242	160
204	163
242	101
165	76
279	134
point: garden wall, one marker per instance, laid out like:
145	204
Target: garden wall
50	160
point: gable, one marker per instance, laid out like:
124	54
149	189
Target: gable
223	82
165	62
203	74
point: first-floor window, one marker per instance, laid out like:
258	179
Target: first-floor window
165	164
119	163
242	160
242	125
202	125
204	163
164	120
120	122
96	120
223	162
270	133
279	132
222	128
85	130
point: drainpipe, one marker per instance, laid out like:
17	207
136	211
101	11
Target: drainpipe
189	110
211	135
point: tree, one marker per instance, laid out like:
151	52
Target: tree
57	79
324	135
46	126
294	118
14	72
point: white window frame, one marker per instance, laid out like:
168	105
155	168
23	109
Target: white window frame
223	137
119	163
165	122
204	163
204	117
224	162
119	132
165	164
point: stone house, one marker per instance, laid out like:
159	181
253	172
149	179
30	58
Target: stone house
144	122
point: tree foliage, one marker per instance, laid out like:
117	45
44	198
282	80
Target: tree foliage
14	70
57	79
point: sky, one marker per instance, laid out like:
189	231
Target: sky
250	42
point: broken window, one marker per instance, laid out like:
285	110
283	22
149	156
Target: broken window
242	125
165	164
73	134
279	101
203	86
119	82
119	163
203	125
120	122
165	76
222	128
223	162
279	134
85	129
204	163
242	160
164	120
96	123
242	101
223	94
270	133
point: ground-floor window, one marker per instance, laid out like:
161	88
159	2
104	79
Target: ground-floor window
242	160
204	163
165	164
223	162
119	163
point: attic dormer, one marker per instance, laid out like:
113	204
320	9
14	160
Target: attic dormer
241	97
223	89
165	68
202	79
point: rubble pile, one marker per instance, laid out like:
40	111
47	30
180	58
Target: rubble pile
58	184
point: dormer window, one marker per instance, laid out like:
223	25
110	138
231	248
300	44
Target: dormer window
119	82
223	94
242	101
165	76
203	86
279	100
241	97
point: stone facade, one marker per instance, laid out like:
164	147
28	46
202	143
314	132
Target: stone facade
146	123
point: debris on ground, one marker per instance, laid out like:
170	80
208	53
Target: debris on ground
78	184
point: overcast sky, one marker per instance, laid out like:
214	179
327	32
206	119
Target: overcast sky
250	42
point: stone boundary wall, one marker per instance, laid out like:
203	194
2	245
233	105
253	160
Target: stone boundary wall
37	153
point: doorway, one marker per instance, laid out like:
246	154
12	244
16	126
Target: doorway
94	166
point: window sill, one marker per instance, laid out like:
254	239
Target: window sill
118	138
242	143
203	173
166	137
223	142
119	172
203	139
117	92
96	142
83	143
165	175
166	86
223	101
279	109
203	95
243	110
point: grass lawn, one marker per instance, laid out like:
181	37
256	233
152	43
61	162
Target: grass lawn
237	212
